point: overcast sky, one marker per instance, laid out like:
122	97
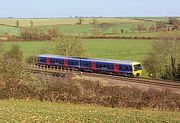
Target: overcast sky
67	8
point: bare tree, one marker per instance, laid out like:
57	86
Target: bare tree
140	27
160	25
31	22
175	23
163	59
17	23
68	46
80	20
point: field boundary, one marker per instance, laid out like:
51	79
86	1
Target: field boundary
10	26
119	37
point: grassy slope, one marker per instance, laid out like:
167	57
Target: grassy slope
35	111
100	48
69	25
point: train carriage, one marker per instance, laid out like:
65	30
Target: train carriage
109	66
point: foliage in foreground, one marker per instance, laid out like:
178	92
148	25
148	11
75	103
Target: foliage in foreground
55	89
36	111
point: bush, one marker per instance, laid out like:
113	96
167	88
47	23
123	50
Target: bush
38	34
95	92
163	58
31	59
14	53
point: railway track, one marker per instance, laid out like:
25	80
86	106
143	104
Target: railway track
149	81
156	82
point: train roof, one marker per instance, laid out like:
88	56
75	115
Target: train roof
112	61
92	59
49	55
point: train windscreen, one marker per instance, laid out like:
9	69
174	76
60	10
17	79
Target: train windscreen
137	67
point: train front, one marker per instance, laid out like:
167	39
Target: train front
137	69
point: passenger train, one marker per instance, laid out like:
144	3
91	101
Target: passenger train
108	66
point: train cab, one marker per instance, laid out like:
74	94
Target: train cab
137	69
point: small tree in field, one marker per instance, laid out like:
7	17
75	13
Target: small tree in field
68	46
160	25
14	53
163	59
17	23
175	23
31	22
80	20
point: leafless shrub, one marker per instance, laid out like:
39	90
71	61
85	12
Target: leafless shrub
68	46
160	25
14	53
152	28
94	92
139	27
175	23
31	59
38	34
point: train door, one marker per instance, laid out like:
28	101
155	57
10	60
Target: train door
116	68
48	61
65	62
94	65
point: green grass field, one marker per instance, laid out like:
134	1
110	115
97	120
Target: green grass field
36	111
9	30
99	48
69	25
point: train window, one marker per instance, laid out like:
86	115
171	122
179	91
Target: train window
137	67
42	59
55	61
70	62
74	62
111	66
61	62
127	68
51	60
120	67
88	64
98	65
83	64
